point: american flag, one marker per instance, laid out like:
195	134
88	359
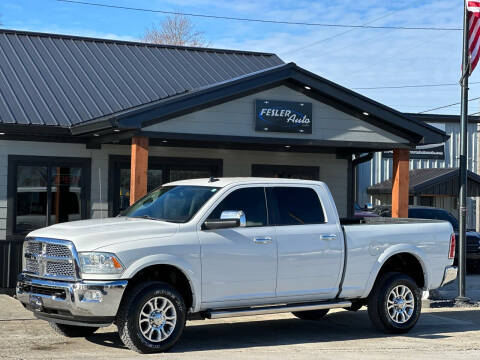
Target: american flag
473	33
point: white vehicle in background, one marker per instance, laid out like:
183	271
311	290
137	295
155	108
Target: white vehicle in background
215	248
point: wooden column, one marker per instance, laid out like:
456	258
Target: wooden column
400	189
138	168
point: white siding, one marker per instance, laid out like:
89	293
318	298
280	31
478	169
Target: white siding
235	163
236	118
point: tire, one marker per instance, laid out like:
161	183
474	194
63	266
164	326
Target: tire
164	323
404	309
72	331
311	315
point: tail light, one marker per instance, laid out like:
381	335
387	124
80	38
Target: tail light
451	251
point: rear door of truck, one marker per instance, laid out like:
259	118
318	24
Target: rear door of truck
309	239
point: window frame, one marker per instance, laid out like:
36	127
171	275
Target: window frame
222	197
272	202
49	162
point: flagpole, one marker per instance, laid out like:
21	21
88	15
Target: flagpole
463	162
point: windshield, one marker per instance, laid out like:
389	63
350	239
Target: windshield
171	203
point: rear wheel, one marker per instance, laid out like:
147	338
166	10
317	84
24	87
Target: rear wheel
394	304
311	315
72	331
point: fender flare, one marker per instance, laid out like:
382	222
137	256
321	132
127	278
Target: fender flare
165	259
418	253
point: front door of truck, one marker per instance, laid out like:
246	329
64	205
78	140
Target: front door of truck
239	263
310	243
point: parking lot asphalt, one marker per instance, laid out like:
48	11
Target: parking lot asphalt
451	333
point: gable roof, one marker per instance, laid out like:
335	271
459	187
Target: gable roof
366	109
59	80
433	181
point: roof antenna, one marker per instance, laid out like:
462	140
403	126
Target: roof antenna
213	179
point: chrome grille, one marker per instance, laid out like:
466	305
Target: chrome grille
50	258
60	269
34	247
32	266
58	251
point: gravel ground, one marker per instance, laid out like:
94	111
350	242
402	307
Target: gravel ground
441	333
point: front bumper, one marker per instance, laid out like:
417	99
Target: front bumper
449	275
91	303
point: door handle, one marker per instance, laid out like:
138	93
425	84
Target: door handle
262	240
328	237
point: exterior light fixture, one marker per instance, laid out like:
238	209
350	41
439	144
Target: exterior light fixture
365	113
2	133
288	146
116	130
96	134
307	87
164	141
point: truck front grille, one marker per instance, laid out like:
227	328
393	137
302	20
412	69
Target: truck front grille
50	258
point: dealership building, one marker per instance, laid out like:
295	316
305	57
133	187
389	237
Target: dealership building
89	125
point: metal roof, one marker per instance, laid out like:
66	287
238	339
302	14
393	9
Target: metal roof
434	181
59	80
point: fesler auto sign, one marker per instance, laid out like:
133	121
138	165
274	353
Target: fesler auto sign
283	116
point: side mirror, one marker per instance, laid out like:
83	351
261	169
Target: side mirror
234	215
228	219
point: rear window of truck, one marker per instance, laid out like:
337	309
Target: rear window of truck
295	206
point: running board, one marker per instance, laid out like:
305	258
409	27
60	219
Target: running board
219	314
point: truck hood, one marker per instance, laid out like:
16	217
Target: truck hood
88	235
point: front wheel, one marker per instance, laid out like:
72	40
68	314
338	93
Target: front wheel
151	317
395	303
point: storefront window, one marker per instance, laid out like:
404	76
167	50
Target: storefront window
46	193
154	180
160	171
66	191
31	198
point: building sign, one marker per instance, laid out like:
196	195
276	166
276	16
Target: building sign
423	152
283	116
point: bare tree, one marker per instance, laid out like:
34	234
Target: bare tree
175	30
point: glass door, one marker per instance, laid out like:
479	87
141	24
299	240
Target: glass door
47	191
160	171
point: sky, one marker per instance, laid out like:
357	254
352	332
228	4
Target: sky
356	59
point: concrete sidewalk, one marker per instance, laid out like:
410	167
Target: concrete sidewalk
441	333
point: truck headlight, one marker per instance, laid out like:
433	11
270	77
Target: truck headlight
99	263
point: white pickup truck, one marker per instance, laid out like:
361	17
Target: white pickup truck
214	248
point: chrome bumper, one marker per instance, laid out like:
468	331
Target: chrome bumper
449	275
70	300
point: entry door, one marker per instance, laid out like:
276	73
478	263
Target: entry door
310	249
239	263
46	191
160	171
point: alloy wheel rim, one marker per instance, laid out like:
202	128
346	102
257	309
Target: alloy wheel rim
400	304
157	319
